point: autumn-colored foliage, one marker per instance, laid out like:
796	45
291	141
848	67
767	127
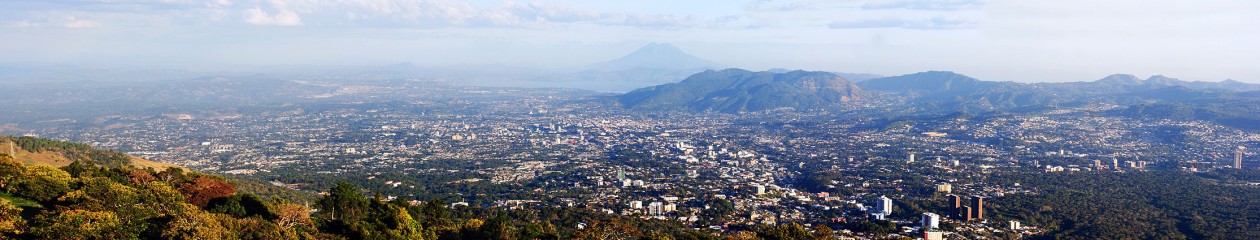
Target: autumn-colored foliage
199	191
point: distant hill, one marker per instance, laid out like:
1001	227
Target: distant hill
737	90
929	83
653	64
1130	82
654	56
943	92
852	77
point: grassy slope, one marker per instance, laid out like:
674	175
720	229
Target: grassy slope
57	160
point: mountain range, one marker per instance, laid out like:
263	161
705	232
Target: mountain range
737	90
942	93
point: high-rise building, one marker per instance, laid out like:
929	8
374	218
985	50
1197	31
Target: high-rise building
885	205
1014	225
621	174
979	208
955	201
760	189
1238	157
911	159
964	213
931	221
944	188
656	209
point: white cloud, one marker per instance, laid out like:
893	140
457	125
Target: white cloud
69	22
935	23
283	17
777	6
219	3
79	23
935	5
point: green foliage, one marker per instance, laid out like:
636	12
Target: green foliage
125	203
10	169
876	227
80	224
735	90
1141	205
784	232
42	183
242	206
344	202
11	221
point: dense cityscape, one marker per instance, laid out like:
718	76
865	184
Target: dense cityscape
629	120
522	149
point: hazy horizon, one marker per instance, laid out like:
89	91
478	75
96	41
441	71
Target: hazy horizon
1026	41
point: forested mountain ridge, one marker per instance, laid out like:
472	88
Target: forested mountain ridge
738	90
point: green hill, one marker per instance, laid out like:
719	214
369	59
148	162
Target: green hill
737	90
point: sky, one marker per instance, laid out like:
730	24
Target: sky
1012	40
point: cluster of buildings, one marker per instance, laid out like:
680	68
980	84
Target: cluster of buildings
536	150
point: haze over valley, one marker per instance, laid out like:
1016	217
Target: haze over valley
542	119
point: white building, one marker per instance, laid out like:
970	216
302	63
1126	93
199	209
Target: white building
656	209
931	221
884	205
944	188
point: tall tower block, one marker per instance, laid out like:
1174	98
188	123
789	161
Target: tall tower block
955	201
979	208
1238	157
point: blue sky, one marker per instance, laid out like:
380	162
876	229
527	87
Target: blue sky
1014	40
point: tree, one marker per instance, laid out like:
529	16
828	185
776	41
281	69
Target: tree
10	170
43	183
11	221
290	215
171	175
101	194
80	168
742	235
81	224
140	176
344	202
195	224
242	206
499	227
784	231
256	228
161	199
433	214
608	230
823	232
202	189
